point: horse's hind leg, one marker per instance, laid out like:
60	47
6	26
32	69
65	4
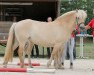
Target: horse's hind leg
29	50
20	52
29	55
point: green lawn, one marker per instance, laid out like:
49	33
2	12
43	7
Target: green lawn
88	50
2	49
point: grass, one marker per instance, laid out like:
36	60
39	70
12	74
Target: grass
2	49
88	50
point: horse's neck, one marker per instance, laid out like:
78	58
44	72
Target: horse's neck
71	23
68	22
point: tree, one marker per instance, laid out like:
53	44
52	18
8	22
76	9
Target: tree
68	5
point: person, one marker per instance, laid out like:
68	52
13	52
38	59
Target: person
70	48
49	19
37	51
14	19
91	25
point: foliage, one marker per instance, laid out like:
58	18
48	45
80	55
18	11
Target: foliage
68	5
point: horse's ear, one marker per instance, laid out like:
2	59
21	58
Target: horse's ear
86	11
76	10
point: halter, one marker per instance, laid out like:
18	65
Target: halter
77	19
78	24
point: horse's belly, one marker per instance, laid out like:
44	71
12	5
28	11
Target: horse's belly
41	42
48	42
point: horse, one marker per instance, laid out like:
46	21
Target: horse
54	34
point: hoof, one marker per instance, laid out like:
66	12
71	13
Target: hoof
71	67
92	69
31	66
48	64
61	67
23	66
5	66
56	66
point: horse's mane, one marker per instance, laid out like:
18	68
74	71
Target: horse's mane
66	14
80	13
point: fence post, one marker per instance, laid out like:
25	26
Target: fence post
81	46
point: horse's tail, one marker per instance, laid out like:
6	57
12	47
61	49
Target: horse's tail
9	48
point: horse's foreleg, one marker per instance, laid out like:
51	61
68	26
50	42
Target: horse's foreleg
50	60
56	65
60	52
59	60
53	55
57	57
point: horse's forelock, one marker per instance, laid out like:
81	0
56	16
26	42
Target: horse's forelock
81	14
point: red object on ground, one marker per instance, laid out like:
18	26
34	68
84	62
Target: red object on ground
28	70
13	70
33	64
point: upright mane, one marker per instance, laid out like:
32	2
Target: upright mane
78	13
65	15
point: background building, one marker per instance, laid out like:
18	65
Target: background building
25	9
33	9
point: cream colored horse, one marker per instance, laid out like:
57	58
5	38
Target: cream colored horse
50	34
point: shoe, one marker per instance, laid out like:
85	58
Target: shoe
32	57
37	57
62	63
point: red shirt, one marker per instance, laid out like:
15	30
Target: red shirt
72	35
77	28
91	24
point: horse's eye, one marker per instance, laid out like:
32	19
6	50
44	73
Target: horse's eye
78	18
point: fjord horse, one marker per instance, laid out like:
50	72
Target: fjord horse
55	34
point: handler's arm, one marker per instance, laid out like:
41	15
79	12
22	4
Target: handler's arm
87	27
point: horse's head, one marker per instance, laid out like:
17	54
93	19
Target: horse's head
81	16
